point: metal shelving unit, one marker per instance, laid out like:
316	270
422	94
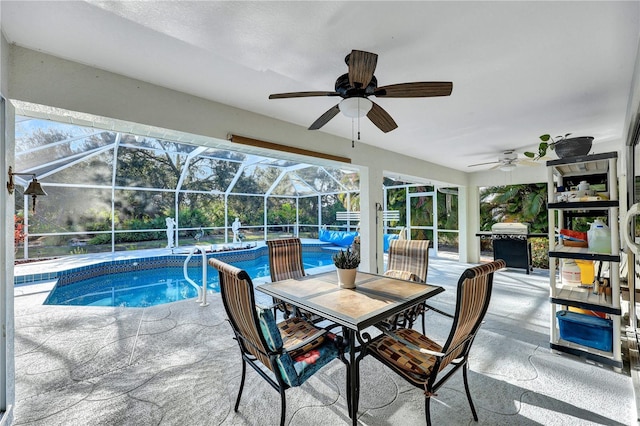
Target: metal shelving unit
562	295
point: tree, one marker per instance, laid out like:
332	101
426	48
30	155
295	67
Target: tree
515	203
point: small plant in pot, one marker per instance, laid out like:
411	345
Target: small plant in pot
346	262
563	145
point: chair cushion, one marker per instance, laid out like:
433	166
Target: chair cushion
387	240
339	238
295	330
287	333
298	365
413	364
307	363
269	329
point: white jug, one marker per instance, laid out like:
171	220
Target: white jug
571	274
599	237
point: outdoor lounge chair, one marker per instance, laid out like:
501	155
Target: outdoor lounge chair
409	260
423	362
284	354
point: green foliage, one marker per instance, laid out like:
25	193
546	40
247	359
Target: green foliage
346	259
514	203
189	218
539	252
331	204
281	211
518	203
545	145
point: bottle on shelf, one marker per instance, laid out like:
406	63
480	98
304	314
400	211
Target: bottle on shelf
571	273
599	237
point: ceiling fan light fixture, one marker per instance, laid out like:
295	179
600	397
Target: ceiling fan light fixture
356	107
507	167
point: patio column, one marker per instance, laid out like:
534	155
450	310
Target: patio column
371	191
469	224
7	158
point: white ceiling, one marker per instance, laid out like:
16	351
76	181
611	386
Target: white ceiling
519	69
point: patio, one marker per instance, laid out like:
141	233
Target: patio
177	364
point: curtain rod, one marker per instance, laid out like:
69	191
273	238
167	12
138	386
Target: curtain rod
284	148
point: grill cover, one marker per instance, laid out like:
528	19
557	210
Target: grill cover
510	228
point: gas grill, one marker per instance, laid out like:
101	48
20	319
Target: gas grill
511	244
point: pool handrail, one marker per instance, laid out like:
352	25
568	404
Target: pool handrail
202	292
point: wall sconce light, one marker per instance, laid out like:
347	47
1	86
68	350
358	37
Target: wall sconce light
34	189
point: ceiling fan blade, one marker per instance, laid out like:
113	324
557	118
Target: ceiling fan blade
361	67
381	118
484	164
324	118
422	89
526	162
301	94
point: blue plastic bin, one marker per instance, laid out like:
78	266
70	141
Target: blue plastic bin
586	330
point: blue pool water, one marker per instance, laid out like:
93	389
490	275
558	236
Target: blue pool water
158	286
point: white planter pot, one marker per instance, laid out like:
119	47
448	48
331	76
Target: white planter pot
346	278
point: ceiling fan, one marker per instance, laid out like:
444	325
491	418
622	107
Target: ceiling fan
359	83
507	161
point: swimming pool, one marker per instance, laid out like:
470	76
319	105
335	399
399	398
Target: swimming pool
156	286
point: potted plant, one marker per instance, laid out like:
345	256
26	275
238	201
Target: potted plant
563	145
346	262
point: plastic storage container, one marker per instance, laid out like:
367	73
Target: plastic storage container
587	271
571	273
586	330
599	237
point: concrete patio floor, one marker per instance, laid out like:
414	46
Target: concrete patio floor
177	364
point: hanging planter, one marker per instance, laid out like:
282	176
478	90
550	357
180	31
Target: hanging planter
563	145
573	147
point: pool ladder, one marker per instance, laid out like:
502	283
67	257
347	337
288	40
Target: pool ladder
202	292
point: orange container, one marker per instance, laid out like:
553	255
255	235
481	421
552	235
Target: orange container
581	236
587	312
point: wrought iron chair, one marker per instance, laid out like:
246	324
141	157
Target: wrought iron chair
285	262
423	362
409	260
292	350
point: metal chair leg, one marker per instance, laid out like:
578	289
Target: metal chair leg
244	371
466	388
427	409
283	406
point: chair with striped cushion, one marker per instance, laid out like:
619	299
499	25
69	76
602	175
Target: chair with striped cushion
292	350
285	259
285	262
411	256
427	364
409	260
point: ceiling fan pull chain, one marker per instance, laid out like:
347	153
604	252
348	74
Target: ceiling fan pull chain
353	144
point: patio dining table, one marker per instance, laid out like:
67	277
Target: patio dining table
374	299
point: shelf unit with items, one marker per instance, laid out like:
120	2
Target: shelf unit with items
591	337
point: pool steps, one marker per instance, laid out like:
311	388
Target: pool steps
202	291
